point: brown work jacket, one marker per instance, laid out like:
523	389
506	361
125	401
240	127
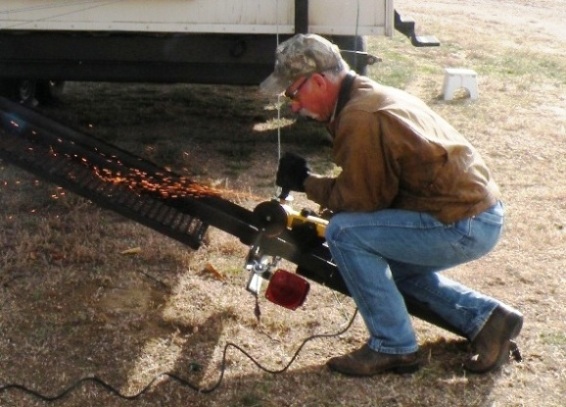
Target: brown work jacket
395	152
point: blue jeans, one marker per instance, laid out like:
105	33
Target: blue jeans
386	254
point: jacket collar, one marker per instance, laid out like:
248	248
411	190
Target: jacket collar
344	94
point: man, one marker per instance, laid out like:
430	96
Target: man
413	198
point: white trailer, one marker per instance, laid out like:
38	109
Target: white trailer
43	42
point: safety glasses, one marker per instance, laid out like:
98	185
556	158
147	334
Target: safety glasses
293	94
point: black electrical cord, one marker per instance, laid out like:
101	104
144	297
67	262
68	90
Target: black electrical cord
181	381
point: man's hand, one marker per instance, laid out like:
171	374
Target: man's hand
292	172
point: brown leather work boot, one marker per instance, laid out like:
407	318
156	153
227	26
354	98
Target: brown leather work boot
493	344
367	362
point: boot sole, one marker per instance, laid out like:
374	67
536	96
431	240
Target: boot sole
409	369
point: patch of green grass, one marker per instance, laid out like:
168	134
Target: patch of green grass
519	63
554	338
396	68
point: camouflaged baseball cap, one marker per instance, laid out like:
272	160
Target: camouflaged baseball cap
300	55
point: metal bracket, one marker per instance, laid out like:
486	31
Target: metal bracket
301	16
406	26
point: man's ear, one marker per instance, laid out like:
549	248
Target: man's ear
320	81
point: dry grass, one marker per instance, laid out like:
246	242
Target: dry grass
72	305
